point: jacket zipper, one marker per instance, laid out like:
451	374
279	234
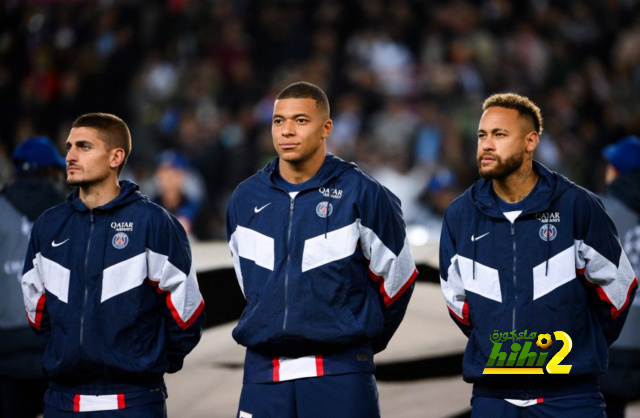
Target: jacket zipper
286	275
515	289
86	288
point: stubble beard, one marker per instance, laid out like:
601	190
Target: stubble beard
502	169
82	182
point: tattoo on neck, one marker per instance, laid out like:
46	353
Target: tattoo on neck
524	175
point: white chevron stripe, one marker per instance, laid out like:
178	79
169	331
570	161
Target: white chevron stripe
453	289
486	281
395	270
185	295
57	276
124	276
562	269
233	246
337	245
614	280
254	246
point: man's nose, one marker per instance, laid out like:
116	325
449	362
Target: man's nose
288	128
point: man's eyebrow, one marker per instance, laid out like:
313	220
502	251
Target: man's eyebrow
297	115
80	143
494	130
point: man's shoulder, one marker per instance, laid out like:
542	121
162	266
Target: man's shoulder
460	204
580	198
146	209
54	212
356	179
250	184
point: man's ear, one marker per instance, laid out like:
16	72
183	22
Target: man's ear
531	141
117	157
327	127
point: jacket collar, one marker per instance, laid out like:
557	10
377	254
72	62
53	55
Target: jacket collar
129	192
550	187
331	168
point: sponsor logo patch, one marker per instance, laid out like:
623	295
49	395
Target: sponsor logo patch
548	232
332	193
545	217
122	226
120	240
324	209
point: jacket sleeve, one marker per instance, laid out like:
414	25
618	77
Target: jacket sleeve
33	289
384	243
451	279
170	268
232	239
601	261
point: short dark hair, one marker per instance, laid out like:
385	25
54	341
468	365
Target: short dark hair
304	90
112	130
522	104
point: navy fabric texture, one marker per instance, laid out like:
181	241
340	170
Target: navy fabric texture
352	395
127	341
508	255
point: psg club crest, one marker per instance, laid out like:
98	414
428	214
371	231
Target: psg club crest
548	232
120	240
324	209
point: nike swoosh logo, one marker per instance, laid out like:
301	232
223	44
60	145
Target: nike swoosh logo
57	244
256	210
481	236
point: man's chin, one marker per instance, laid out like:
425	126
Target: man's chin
77	182
487	174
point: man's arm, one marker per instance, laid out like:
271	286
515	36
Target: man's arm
170	267
601	261
33	289
451	280
384	243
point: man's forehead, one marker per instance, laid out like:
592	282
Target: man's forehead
297	106
295	102
501	117
83	133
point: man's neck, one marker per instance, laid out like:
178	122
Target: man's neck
97	195
296	173
516	186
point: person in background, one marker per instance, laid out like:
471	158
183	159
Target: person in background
39	185
322	257
621	383
171	179
522	249
109	286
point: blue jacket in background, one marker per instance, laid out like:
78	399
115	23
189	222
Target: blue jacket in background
327	274
559	267
112	294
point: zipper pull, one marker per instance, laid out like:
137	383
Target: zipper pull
292	204
91	215
513	229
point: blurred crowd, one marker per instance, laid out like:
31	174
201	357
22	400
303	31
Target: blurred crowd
196	80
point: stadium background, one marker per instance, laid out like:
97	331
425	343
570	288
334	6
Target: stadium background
406	79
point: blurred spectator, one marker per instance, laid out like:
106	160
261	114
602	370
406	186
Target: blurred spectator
187	74
621	383
179	191
39	186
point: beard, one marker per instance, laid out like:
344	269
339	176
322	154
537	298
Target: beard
502	168
84	180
